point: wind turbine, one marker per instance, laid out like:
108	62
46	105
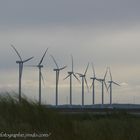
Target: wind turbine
20	63
103	83
110	86
40	66
70	74
57	70
84	80
93	85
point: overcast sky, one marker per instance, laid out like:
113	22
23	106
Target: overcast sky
105	32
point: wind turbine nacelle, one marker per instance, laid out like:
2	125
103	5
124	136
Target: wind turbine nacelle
56	69
19	62
70	72
93	78
40	66
100	80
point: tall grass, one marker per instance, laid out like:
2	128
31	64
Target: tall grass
29	117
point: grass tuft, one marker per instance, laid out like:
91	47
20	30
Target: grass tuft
29	117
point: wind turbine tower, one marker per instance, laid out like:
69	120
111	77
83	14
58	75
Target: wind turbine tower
103	83
40	66
57	70
110	86
70	74
83	76
20	63
93	85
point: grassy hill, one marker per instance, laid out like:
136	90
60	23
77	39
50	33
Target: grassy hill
30	118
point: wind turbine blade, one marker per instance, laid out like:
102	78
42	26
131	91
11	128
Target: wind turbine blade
86	84
42	79
115	83
76	78
79	74
57	77
20	69
91	85
93	69
16	52
106	86
66	77
86	69
63	68
28	59
55	61
43	57
72	62
106	73
98	80
110	74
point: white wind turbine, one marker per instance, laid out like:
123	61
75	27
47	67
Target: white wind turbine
103	83
70	74
93	84
40	66
20	63
110	86
57	70
83	76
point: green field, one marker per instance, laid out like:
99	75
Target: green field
28	118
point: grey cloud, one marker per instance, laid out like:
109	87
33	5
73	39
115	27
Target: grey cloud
29	12
103	46
103	31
